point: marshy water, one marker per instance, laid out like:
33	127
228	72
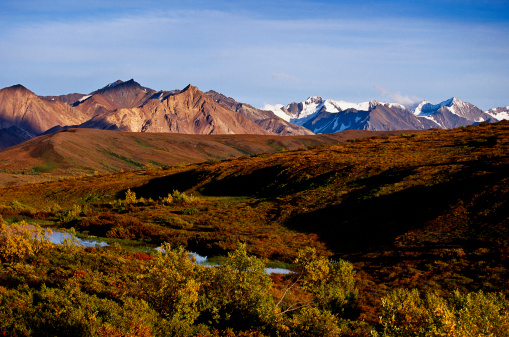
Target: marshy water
58	237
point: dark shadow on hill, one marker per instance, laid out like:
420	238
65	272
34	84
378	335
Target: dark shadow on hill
362	222
160	187
265	182
262	182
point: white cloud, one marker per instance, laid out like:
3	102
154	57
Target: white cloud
397	97
283	76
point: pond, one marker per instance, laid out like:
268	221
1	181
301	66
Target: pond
58	237
202	260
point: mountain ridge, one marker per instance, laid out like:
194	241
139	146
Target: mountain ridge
129	106
326	115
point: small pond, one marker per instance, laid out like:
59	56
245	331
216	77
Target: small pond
58	237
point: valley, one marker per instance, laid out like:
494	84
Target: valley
423	210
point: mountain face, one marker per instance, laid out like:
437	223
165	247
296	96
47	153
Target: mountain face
31	115
451	113
264	118
189	111
327	116
499	113
126	106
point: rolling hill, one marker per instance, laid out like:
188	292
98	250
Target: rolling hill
426	210
83	151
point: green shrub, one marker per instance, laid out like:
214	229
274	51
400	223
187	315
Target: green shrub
190	211
330	282
237	294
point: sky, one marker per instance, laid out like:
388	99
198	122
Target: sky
263	52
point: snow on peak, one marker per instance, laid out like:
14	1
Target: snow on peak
277	109
337	106
425	108
499	113
314	100
114	84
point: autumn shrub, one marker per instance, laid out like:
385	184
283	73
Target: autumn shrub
21	240
237	294
171	287
330	282
182	197
130	197
314	322
167	200
406	313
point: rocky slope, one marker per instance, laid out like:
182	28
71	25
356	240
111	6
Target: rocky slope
264	118
189	111
32	115
128	106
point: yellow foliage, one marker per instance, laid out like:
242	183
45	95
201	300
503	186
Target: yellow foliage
22	240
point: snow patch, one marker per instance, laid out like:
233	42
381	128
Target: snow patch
336	106
425	108
84	98
277	109
344	127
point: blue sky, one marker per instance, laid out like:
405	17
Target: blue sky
263	52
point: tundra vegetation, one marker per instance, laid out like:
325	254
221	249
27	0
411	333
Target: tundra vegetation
393	236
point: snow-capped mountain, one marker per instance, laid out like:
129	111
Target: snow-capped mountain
499	113
451	113
328	116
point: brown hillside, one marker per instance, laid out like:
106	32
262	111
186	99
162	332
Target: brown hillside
80	151
189	111
22	108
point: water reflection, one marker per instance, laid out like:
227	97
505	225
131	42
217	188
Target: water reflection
58	237
202	260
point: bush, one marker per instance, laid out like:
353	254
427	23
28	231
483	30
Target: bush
237	295
130	197
70	312
330	282
21	240
405	313
170	286
190	211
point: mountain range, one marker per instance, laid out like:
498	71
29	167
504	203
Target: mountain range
128	106
327	116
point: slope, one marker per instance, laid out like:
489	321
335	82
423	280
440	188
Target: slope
427	210
83	151
23	109
264	118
